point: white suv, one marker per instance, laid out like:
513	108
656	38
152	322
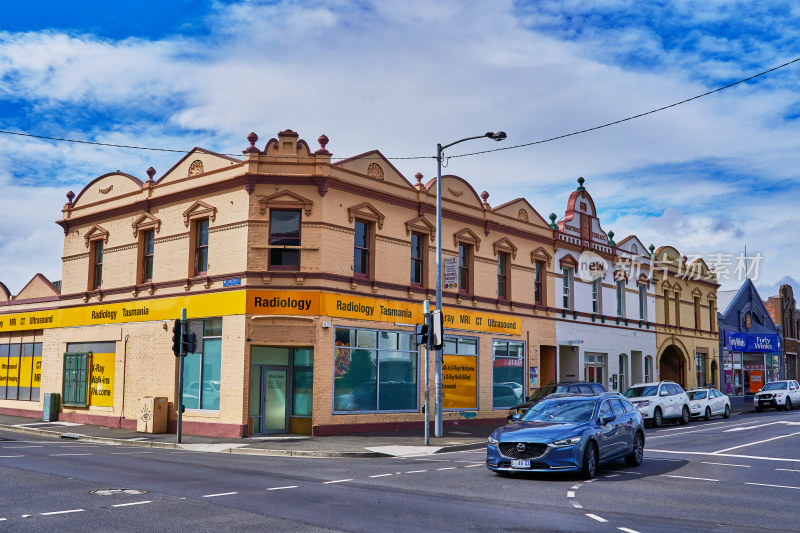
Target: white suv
784	394
660	401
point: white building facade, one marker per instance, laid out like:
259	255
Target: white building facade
605	323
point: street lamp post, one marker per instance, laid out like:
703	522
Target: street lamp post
497	136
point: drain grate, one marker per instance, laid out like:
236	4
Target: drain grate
111	492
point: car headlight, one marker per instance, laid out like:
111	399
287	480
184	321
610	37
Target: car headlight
569	441
645	403
493	440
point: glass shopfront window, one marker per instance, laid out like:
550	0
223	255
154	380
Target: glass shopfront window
374	370
508	386
201	371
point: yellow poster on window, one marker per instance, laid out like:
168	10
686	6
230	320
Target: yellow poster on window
12	367
101	379
459	382
37	373
25	371
3	373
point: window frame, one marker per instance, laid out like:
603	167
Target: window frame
568	288
597	296
369	229
202	366
642	301
677	309
284	248
95	267
697	323
78	396
504	275
422	251
539	274
196	248
620	297
466	262
507	357
146	259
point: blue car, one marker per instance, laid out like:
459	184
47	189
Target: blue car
569	432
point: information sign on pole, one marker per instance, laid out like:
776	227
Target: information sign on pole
451	273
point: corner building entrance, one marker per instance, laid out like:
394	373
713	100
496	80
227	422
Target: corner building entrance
280	389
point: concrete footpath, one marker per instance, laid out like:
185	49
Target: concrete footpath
378	444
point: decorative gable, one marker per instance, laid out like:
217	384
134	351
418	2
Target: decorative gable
95	233
199	209
467	236
540	254
421	225
367	212
568	262
145	222
284	200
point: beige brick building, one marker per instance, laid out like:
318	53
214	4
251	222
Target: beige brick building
303	279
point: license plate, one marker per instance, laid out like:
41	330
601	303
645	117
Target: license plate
520	463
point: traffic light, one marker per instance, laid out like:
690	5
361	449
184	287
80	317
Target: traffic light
189	343
176	338
421	333
436	330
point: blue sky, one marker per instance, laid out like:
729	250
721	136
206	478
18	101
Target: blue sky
708	177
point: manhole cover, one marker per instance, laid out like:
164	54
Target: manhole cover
110	492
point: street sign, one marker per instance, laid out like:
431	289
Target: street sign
450	273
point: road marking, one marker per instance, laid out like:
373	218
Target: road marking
717	454
757	442
447	468
62	512
570	494
764	425
787	470
626	472
595	517
576	505
336	481
687	477
576	487
776	486
10	456
282	488
612	475
3	519
724	464
626	530
126	453
220	494
15	447
663	459
415	471
66	454
132	503
382	475
472	466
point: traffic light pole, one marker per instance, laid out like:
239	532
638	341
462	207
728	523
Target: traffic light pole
181	357
426	306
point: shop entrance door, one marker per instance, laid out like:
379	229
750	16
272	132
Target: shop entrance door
269	398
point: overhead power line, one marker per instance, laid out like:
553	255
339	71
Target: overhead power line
132	147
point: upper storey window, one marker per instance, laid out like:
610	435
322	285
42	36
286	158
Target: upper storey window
200	246
96	276
284	239
361	248
148	254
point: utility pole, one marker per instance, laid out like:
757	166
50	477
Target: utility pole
426	307
181	357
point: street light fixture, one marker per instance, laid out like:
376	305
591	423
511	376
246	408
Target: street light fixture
497	136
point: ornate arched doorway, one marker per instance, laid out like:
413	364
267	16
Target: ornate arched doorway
672	365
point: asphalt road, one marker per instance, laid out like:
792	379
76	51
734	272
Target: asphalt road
740	474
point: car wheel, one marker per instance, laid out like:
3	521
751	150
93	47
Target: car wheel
636	455
708	413
589	468
788	406
727	413
658	420
684	416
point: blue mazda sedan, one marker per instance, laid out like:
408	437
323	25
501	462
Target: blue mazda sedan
569	433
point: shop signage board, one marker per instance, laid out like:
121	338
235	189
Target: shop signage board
450	280
101	379
744	342
459	382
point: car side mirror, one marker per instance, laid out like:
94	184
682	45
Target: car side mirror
663	393
516	417
605	419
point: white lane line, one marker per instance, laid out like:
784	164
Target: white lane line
473	466
570	494
3	519
673	460
66	454
62	512
576	487
132	503
415	471
336	481
716	454
435	460
16	447
126	453
787	470
220	494
576	505
626	530
692	478
678	432
626	472
283	488
776	486
382	475
724	464
764	425
595	517
447	468
757	442
612	475
10	456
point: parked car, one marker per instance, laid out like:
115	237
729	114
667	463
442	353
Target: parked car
708	402
574	387
659	401
569	433
783	394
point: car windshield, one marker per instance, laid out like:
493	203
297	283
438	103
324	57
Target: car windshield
561	411
638	392
775	385
697	394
